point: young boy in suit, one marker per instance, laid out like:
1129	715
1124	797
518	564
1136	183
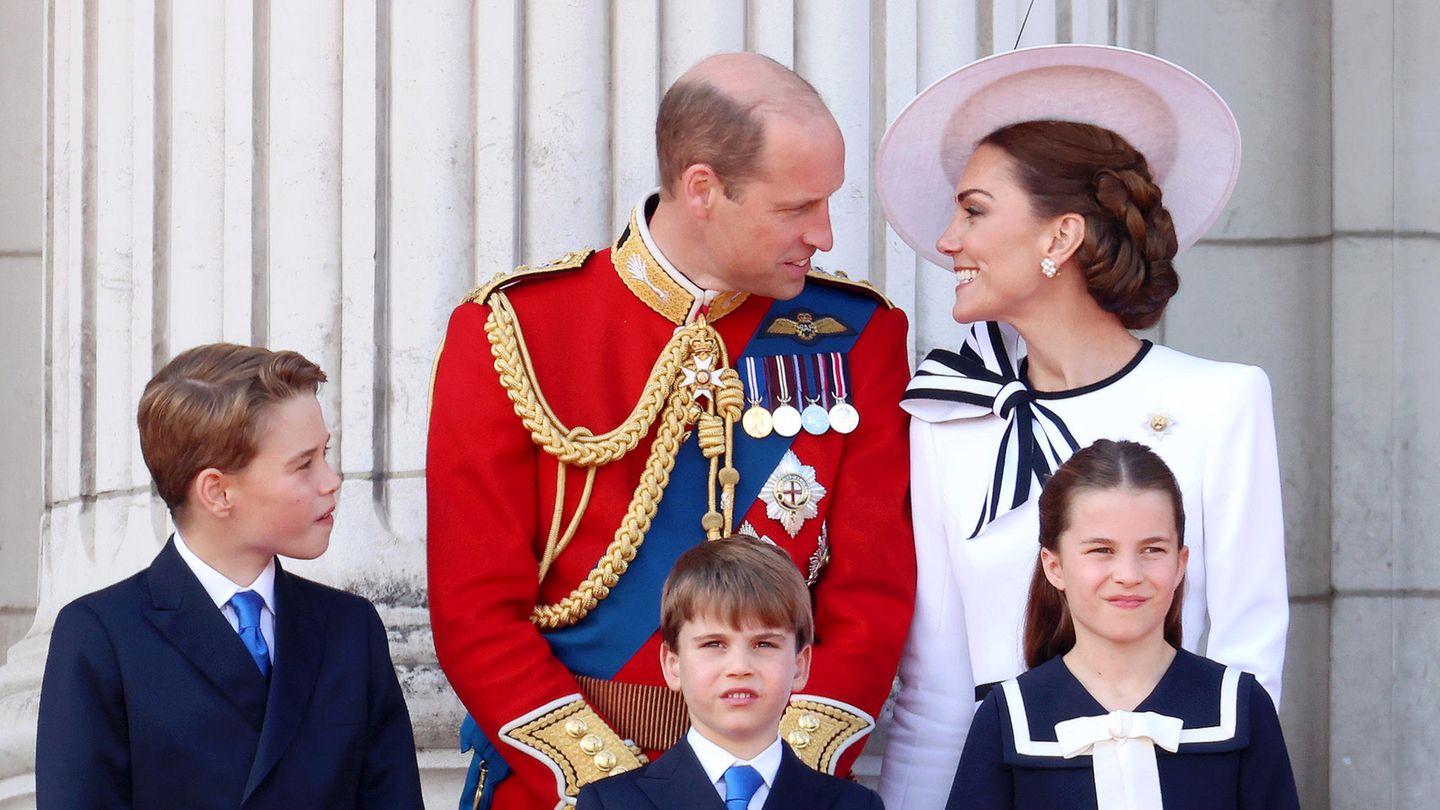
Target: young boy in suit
736	624
214	678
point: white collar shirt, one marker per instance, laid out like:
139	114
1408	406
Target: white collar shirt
716	760
220	588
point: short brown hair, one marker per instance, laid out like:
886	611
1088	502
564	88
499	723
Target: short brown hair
700	123
1130	243
740	580
1106	464
204	409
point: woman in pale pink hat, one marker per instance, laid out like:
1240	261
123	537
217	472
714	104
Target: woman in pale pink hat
1058	184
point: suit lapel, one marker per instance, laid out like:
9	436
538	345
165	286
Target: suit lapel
676	779
796	785
183	612
300	640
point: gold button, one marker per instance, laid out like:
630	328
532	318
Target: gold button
605	761
712	521
798	738
809	721
576	727
729	476
591	744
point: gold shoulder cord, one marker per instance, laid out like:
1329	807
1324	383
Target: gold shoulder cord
690	383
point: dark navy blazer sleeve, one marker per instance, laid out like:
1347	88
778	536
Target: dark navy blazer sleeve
1266	780
983	781
389	777
589	799
82	727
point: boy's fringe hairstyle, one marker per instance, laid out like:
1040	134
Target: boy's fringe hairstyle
206	407
742	581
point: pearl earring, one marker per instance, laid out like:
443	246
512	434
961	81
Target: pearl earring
1048	267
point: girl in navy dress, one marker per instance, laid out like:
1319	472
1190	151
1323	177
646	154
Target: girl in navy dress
1113	714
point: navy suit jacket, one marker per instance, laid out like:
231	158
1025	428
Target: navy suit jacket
676	781
150	700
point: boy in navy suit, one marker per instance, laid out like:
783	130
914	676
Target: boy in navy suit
736	624
215	679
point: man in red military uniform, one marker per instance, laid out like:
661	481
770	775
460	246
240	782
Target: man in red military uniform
593	418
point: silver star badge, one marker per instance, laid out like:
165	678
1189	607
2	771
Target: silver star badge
791	494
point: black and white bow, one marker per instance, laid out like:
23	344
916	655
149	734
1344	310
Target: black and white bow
983	379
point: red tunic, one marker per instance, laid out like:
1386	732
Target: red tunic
593	342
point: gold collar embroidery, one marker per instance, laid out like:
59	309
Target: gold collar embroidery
655	282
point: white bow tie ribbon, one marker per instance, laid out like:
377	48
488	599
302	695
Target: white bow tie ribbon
982	379
1122	745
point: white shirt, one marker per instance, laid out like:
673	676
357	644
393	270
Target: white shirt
220	589
716	761
1218	439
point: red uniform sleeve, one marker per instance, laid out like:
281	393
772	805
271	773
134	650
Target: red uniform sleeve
483	570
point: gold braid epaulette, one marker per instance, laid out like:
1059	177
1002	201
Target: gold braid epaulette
570	261
839	279
670	396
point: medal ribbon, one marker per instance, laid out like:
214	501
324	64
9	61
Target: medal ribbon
800	383
820	368
757	396
782	382
838	363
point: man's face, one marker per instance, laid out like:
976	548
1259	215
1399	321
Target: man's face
736	681
762	241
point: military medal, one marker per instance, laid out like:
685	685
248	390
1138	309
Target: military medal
757	421
815	419
843	416
786	419
791	493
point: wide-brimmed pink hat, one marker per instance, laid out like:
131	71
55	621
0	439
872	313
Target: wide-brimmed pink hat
1183	127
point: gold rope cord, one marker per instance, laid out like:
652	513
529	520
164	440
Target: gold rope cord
670	395
574	446
555	547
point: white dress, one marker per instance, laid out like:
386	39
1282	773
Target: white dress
1212	424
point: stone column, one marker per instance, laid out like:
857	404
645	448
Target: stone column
1385	637
22	287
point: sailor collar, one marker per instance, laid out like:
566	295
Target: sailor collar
1206	697
654	280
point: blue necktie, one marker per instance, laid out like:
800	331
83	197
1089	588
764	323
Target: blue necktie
741	782
247	608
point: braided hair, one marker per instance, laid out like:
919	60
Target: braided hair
1129	246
